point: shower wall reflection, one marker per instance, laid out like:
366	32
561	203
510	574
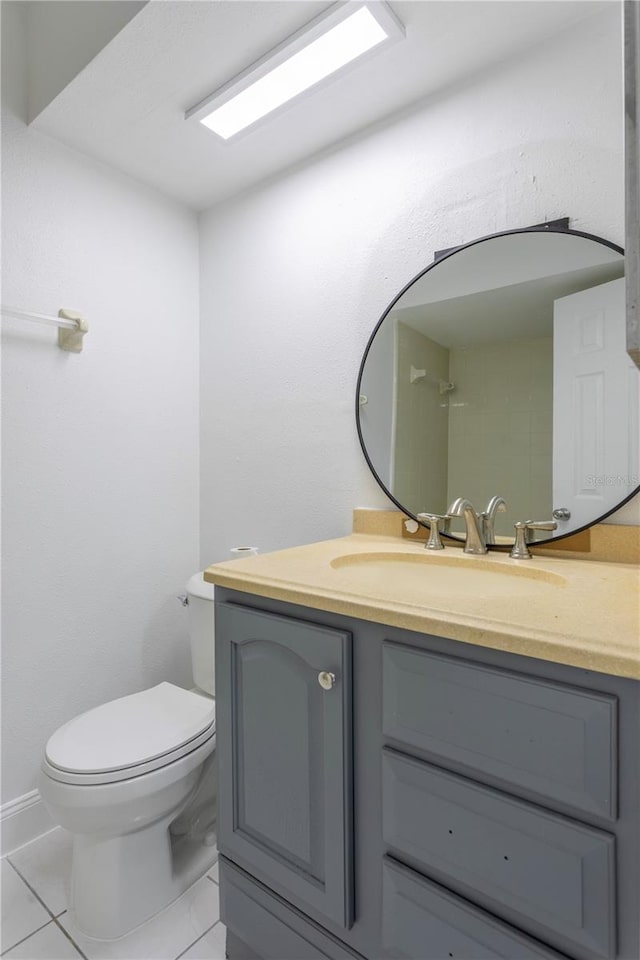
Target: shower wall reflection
422	417
489	405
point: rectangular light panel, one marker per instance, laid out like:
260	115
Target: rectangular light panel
328	44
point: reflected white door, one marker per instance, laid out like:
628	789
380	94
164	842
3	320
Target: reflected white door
595	454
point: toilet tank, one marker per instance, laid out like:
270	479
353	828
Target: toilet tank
200	594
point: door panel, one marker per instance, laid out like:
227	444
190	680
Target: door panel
595	455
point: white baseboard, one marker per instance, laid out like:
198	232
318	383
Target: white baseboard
22	820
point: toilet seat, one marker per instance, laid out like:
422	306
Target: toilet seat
128	737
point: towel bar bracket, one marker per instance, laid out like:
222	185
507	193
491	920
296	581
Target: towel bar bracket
71	340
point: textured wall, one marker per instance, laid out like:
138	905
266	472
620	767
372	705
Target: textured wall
100	492
295	275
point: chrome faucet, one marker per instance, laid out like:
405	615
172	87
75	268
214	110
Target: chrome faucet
495	505
474	525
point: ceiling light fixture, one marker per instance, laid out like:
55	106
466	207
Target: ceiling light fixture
329	43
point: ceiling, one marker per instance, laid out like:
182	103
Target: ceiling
504	288
126	106
517	311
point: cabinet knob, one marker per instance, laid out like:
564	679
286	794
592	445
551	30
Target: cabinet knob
326	679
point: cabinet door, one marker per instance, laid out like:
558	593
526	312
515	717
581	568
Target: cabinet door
284	755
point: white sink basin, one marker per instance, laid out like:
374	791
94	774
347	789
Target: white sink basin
417	577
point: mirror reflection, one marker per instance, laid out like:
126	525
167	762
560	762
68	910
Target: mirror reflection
502	371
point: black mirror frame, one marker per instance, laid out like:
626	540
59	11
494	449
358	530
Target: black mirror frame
554	227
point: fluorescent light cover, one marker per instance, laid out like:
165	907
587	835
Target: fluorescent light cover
349	39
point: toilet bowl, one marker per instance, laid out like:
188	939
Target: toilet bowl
119	776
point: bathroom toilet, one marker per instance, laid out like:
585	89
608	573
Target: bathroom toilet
134	781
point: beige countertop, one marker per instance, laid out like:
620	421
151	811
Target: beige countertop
576	612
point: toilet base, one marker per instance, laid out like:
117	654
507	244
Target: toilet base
118	883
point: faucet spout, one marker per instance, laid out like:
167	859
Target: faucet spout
474	532
495	505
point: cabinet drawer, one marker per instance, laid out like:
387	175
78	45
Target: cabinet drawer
545	873
556	741
423	921
268	925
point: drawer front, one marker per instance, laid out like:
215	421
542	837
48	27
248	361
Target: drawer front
268	926
547	873
556	741
423	921
284	756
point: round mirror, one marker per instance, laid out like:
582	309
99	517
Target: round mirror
501	371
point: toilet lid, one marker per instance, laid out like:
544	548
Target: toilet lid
131	731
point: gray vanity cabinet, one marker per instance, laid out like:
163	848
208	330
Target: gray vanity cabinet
283	705
441	801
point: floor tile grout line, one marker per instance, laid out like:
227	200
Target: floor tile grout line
70	938
18	942
34	892
198	939
54	917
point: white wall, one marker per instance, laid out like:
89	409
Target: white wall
295	275
101	461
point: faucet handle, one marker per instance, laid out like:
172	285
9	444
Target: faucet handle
433	521
520	550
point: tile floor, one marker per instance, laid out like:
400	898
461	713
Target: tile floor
36	925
